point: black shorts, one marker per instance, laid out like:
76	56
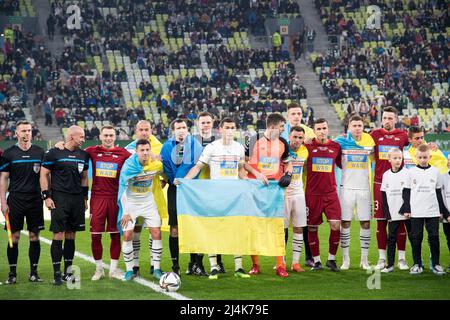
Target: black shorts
29	206
68	214
172	205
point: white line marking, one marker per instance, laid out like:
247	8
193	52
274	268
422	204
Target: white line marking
140	280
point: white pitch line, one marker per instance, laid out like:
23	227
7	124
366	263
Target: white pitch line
141	281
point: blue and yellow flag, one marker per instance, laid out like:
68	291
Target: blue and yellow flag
238	217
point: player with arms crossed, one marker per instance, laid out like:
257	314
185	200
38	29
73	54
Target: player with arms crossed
225	158
321	193
355	193
385	139
136	199
20	165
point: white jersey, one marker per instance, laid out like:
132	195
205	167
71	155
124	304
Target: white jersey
355	168
423	184
446	189
393	184
223	160
298	160
139	189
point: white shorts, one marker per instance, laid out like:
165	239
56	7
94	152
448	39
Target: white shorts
359	201
295	209
147	214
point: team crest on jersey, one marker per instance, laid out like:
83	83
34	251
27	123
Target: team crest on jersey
80	167
36	167
387	185
402	183
114	156
315	150
432	181
100	155
414	181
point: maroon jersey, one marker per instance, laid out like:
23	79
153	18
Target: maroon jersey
106	166
385	141
322	158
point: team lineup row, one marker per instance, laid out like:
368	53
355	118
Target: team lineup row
410	188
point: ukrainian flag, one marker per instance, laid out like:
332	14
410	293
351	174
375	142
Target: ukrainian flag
238	217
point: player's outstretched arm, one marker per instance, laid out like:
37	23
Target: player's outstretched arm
195	170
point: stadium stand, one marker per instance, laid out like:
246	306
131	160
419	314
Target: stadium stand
404	64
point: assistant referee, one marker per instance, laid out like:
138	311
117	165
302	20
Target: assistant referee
20	166
66	197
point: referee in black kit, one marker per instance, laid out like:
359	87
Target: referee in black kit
66	197
20	165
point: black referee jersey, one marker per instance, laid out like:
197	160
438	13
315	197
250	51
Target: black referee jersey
66	169
203	141
23	167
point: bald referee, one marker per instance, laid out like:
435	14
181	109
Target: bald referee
20	168
66	196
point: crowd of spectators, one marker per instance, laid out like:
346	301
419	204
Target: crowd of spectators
403	68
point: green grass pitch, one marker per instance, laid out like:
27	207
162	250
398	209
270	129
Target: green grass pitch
351	284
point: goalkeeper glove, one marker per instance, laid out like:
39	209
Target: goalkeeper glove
285	180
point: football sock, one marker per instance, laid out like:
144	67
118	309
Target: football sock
212	261
297	244
98	265
364	238
331	256
96	246
136	248
69	253
199	259
255	260
150	243
316	259
113	265
314	243
334	239
127	251
56	252
193	257
286	235
174	250
279	261
13	254
401	237
114	247
345	243
382	254
157	253
219	258
237	263
401	254
308	254
382	234
34	252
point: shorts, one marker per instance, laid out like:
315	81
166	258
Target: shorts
318	204
29	206
103	210
378	202
147	212
358	201
295	209
68	214
172	205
